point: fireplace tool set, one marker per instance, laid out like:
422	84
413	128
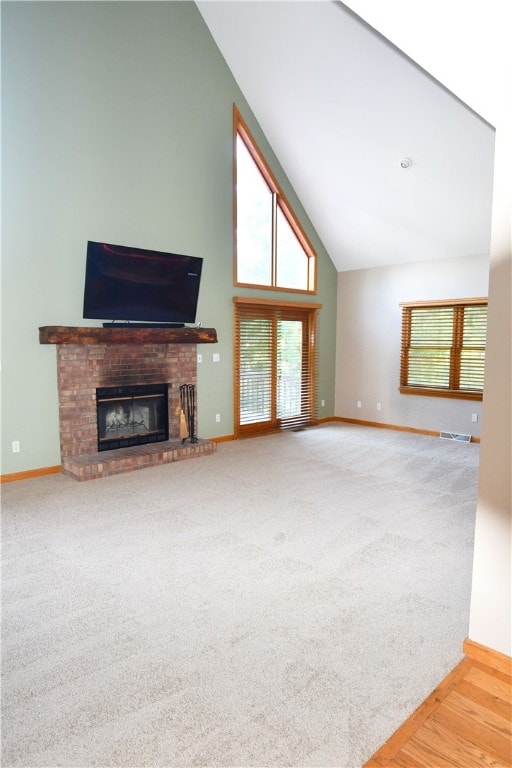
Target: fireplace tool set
187	412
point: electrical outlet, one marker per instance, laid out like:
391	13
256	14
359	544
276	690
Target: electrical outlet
199	358
359	404
322	403
216	357
15	446
379	406
474	418
217	417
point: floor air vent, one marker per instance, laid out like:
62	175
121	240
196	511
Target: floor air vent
455	436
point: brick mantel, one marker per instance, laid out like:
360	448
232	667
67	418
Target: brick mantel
64	334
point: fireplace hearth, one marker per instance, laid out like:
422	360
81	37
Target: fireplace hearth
131	415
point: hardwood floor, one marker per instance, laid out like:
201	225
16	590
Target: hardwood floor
466	722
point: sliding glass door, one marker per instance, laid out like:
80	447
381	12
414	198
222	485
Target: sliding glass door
275	366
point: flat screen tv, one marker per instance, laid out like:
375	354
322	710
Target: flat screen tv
134	284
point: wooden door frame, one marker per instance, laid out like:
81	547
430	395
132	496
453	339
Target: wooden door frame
305	311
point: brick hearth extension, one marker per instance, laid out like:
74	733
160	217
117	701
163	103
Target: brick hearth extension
88	358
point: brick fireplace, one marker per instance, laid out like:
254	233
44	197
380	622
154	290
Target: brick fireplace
103	361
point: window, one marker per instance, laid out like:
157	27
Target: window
275	365
443	348
271	248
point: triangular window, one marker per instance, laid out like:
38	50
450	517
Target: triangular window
271	248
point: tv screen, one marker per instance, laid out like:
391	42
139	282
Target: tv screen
123	283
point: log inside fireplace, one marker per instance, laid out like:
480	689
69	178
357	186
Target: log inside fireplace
132	415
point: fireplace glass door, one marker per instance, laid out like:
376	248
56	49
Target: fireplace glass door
132	415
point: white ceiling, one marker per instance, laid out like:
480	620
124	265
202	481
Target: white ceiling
341	107
472	54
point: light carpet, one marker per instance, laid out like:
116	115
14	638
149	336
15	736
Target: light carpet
287	601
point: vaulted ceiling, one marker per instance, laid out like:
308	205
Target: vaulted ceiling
342	108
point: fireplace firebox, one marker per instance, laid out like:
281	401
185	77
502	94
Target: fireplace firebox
132	415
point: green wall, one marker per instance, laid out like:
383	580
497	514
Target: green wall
117	125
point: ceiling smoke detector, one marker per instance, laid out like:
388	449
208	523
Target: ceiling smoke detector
405	163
